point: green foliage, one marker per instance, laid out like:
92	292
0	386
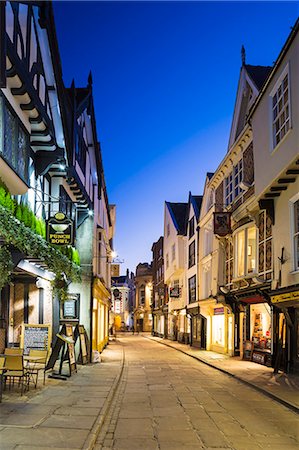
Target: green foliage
6	265
75	256
26	232
18	213
27	241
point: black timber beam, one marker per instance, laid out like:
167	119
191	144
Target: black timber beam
286	180
44	159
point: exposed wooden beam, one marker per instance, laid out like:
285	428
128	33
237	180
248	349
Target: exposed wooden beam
286	180
278	188
272	195
292	172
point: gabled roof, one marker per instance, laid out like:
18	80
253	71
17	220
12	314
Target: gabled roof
251	81
178	212
195	201
258	74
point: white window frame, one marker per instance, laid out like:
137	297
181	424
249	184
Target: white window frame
172	252
286	71
293	234
232	188
235	249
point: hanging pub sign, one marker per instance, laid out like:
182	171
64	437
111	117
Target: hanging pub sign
222	226
60	230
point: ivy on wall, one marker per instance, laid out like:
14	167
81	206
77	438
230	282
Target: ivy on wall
6	265
21	228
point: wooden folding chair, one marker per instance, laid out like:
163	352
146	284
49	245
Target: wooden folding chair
35	366
13	351
15	370
2	365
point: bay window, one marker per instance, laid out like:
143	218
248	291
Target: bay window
295	231
246	251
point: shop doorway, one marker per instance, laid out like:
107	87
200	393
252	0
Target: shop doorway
199	331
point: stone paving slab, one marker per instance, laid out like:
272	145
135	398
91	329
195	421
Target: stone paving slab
29	420
132	428
39	436
75	422
135	444
71	411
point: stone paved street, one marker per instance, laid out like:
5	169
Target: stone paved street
144	395
168	401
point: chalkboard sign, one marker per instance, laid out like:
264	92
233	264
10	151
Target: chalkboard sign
247	350
64	350
37	337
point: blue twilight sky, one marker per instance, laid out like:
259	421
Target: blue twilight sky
165	76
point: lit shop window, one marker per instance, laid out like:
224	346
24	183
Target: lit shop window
218	329
281	108
260	322
246	253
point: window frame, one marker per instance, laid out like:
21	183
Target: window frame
192	298
191	262
286	71
246	274
173	252
191	227
294	234
231	188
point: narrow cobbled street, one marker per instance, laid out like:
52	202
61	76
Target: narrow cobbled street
145	395
166	400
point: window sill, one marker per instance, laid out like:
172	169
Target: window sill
294	272
275	149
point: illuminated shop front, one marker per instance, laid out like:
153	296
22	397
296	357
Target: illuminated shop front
100	316
258	329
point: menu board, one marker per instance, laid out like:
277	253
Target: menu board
37	337
71	346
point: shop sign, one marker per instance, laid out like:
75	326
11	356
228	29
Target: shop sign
218	311
60	230
175	292
252	300
287	297
222	225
